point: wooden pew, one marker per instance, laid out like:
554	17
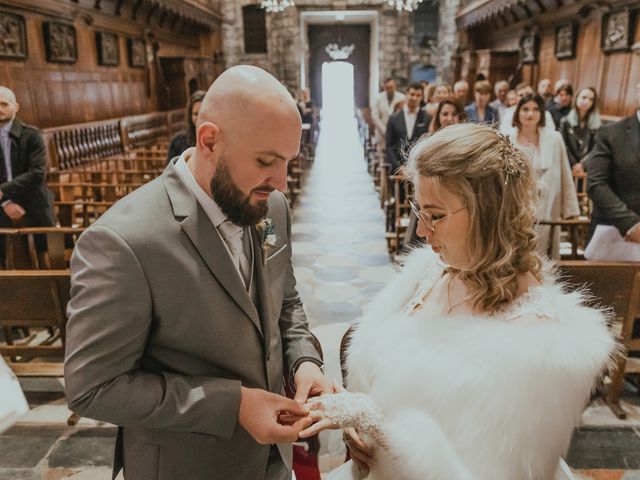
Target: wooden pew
34	299
21	250
615	285
398	212
576	230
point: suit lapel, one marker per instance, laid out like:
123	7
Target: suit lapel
262	283
14	137
206	240
633	129
403	127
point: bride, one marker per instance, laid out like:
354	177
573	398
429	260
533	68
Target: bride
475	363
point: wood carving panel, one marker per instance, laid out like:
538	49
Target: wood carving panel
616	31
13	39
60	42
137	52
107	47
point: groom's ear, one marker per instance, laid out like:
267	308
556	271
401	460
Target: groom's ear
207	138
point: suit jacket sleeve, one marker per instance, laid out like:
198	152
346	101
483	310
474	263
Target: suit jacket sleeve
110	317
297	341
35	157
390	145
600	167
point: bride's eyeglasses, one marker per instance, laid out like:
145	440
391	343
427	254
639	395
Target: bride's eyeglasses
430	220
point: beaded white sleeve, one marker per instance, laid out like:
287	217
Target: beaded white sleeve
357	410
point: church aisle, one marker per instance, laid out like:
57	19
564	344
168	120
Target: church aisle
339	247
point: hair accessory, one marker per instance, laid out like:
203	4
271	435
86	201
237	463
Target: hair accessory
512	158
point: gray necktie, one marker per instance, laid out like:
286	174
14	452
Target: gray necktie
233	236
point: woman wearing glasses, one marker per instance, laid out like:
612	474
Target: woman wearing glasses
474	363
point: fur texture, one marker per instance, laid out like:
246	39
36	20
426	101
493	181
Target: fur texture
472	397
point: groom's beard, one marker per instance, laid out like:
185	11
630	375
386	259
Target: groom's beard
233	203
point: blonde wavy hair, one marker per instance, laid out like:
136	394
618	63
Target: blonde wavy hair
494	180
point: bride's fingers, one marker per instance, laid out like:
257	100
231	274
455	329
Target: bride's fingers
316	415
316	428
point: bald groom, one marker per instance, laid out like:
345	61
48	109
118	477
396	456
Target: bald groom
184	312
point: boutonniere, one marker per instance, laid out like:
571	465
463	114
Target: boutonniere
265	227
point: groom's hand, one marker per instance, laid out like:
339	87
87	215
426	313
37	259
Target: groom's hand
310	381
260	412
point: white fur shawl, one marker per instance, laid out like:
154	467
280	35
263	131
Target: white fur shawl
482	398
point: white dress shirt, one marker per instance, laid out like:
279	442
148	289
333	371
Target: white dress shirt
5	144
410	120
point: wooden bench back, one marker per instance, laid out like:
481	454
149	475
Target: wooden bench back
34	299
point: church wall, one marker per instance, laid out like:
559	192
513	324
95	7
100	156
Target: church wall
51	94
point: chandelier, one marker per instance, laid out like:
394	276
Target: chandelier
406	5
339	53
278	5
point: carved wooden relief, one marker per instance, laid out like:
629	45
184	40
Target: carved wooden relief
566	36
616	31
107	48
60	42
137	52
13	40
529	47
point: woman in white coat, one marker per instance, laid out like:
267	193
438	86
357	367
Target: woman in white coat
474	363
545	148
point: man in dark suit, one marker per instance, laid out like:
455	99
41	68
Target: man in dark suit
405	127
24	196
614	176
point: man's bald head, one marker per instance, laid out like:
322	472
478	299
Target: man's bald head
8	105
232	100
8	94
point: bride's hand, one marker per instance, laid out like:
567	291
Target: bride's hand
318	415
342	410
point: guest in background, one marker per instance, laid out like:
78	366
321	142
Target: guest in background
24	198
512	101
501	89
544	90
405	127
506	121
557	199
480	111
383	107
614	176
461	91
305	106
186	137
579	128
441	91
562	103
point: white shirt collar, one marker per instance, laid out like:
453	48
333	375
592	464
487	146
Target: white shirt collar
208	204
638	114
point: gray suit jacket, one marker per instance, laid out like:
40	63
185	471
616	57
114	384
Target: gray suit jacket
614	175
162	333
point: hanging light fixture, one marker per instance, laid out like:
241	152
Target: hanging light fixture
277	6
406	5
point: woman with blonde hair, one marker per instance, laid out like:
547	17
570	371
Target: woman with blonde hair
475	362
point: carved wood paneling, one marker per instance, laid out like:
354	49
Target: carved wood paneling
614	75
53	94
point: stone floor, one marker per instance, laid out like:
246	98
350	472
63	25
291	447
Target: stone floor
340	262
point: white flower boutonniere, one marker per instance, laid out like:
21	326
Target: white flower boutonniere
265	227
